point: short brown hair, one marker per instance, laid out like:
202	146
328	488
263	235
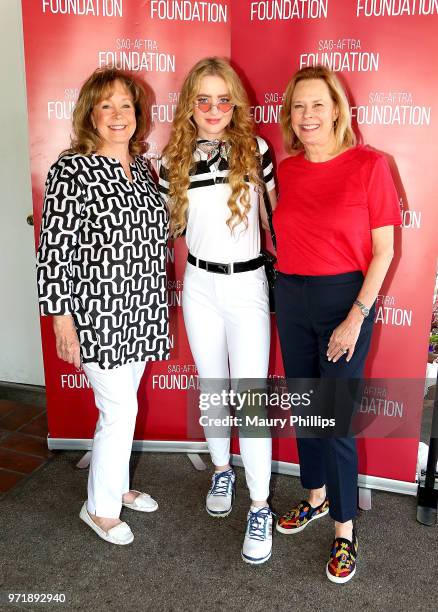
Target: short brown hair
97	87
344	134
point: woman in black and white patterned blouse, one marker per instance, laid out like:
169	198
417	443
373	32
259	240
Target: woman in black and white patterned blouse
101	275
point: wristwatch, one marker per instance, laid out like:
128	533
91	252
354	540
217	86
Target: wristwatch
364	310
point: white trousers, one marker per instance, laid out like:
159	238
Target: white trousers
228	326
115	393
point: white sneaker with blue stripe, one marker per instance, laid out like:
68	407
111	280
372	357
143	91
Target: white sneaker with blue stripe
219	501
257	545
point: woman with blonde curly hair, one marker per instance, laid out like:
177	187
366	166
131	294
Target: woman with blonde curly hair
102	278
211	173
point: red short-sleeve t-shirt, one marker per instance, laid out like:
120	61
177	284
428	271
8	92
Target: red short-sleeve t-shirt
326	211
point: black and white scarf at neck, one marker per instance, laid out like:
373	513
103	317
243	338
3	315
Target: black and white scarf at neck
216	150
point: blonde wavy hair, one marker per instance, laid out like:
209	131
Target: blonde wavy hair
344	134
97	87
244	161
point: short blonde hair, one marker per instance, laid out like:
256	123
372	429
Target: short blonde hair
344	134
97	87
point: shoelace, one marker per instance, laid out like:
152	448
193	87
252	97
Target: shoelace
257	523
221	483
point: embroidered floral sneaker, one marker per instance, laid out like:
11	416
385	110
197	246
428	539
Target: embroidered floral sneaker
219	501
341	565
300	516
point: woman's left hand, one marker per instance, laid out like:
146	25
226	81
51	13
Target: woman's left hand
344	337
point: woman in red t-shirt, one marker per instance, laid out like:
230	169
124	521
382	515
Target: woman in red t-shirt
334	224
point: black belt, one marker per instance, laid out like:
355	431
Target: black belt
223	268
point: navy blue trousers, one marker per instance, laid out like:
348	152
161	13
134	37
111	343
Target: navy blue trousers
308	309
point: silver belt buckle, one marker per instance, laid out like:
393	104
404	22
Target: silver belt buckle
226	268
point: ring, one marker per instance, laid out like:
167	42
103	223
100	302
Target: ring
344	350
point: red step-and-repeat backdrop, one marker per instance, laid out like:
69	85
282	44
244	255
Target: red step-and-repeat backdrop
384	50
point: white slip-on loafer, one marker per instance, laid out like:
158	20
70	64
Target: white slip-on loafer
120	534
142	503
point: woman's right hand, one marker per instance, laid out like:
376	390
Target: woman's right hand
67	343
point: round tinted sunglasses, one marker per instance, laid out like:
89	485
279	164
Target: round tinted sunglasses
205	107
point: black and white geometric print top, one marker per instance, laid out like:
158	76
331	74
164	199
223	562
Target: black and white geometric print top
208	236
102	258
